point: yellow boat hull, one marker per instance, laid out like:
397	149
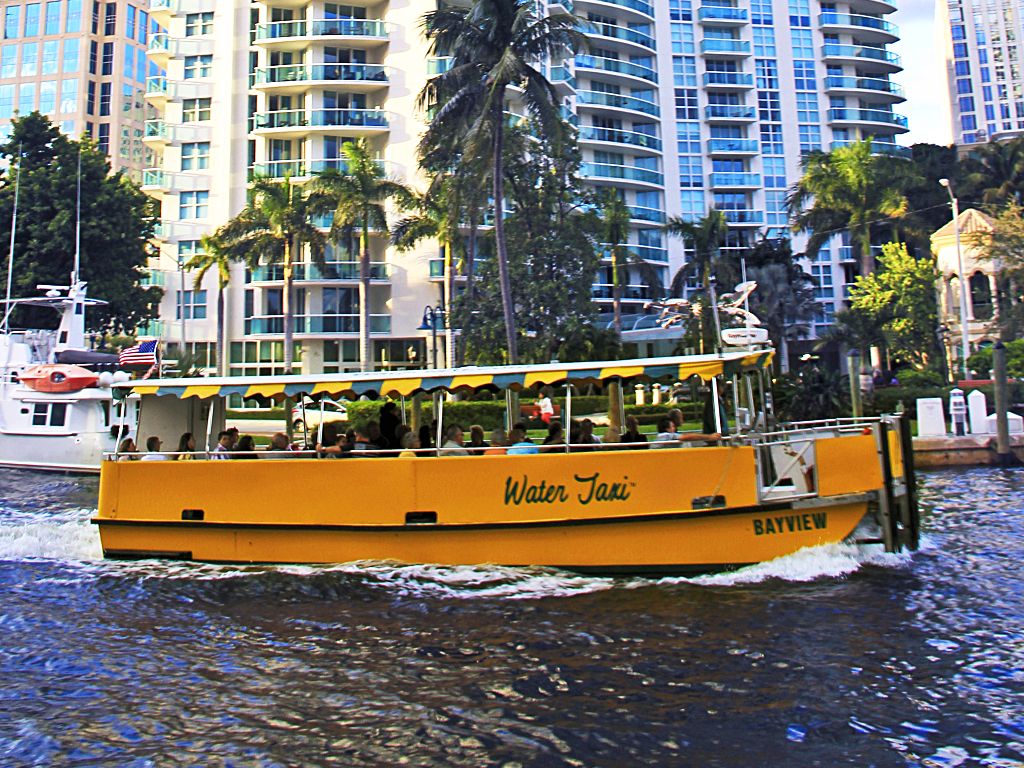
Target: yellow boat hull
678	510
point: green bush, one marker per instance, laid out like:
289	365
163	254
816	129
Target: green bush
926	378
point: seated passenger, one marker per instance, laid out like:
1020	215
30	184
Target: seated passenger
519	443
278	448
186	444
126	450
667	435
153	444
633	434
477	444
222	450
246	448
409	445
497	443
453	437
555	440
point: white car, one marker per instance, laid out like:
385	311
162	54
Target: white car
310	420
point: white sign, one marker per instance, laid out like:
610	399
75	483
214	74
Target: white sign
931	417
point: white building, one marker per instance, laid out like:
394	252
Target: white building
681	106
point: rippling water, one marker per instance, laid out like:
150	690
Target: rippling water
834	656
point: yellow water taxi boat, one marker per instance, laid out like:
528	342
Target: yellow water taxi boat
760	491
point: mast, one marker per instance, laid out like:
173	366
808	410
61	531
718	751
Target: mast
10	253
78	220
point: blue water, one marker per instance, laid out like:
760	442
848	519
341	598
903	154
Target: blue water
834	656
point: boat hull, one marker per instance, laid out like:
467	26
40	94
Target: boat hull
696	509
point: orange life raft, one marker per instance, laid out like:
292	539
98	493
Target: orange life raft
57	378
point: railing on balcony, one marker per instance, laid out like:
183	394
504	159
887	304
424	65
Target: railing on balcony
298	73
741	216
438	65
721	13
645	252
879	84
156	84
156	129
616	65
733	146
153	177
881	148
322	28
618	136
618	101
159	42
619	33
629	292
719	180
830	18
331	270
641	213
720	45
838	114
278	169
624	172
293	118
832	50
730	112
634	5
562	74
315	324
154	277
743	79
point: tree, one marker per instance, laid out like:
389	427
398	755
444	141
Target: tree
214	256
437	217
116	224
615	218
706	237
278	221
927	200
1004	248
994	173
359	197
851	189
494	44
900	298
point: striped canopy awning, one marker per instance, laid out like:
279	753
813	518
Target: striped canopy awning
495	378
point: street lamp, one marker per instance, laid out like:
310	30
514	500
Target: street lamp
431	317
955	205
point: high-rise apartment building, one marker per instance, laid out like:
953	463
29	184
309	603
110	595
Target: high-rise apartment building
983	64
680	106
82	64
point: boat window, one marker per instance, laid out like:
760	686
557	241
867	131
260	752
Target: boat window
49	414
105	413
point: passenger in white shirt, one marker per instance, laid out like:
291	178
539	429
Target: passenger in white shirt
153	450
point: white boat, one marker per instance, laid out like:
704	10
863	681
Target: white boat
62	416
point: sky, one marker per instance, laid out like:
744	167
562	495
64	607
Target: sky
924	74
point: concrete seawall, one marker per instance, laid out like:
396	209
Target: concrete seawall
966	451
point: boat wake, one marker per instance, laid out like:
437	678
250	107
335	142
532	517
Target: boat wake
61	536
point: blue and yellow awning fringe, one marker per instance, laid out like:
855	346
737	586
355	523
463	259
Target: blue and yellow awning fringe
495	378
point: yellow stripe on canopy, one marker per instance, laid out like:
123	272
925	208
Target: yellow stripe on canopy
622	371
332	388
145	389
264	390
705	369
201	391
401	386
472	381
543	377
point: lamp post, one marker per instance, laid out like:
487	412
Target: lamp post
431	317
964	330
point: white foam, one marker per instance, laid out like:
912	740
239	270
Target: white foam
59	539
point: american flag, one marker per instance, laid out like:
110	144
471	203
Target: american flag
143	353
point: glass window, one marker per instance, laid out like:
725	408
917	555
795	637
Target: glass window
103	140
140	65
193	205
48	97
129	22
52	18
198	24
93	57
90	100
9	60
194	303
69	96
198	66
195	110
104	99
26	98
195	156
29	58
189	248
31	19
6	101
73	20
110	20
129	60
71	55
50	57
143	26
12	16
107	67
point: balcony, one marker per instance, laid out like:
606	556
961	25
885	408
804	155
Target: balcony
733	146
162	48
623	173
645	252
299	77
744	218
616	101
314	325
153	179
728	81
621	34
730	113
331	271
874	85
562	75
637	6
721	14
881	148
279	169
156	90
652	215
865	27
438	65
876	116
862	55
617	136
298	122
716	47
616	67
734	180
296	35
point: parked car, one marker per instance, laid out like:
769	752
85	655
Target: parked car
310	418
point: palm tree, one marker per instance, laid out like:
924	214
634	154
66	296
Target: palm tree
271	230
359	196
784	301
995	172
214	256
437	217
614	231
848	188
494	44
706	237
